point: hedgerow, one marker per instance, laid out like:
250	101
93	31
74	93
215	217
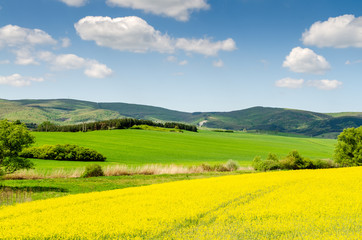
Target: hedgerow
293	161
66	152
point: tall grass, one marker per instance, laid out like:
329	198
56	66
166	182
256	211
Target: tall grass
9	196
41	174
124	170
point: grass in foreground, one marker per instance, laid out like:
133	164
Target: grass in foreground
139	147
305	204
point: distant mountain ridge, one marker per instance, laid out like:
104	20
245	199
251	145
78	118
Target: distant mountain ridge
70	111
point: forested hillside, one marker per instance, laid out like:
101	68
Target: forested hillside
69	111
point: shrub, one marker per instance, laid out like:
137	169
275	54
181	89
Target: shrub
207	167
63	152
256	163
232	165
221	168
93	170
272	157
295	161
319	163
271	163
292	161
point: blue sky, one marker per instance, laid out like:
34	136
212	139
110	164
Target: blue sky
187	55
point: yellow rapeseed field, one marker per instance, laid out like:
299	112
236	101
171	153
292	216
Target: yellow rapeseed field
305	204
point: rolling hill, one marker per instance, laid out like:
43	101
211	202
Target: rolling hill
70	111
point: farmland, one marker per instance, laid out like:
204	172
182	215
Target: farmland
139	147
305	204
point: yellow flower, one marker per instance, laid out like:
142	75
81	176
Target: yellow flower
307	204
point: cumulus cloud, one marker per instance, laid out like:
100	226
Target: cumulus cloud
24	57
289	83
178	9
205	46
304	60
92	68
17	80
339	32
75	3
45	56
97	70
68	61
136	35
218	63
174	59
324	84
12	36
124	34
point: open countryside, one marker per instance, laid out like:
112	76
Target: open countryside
306	204
139	147
180	120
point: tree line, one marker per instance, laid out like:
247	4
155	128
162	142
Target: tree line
123	123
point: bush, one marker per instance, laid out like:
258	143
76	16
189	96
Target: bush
319	163
292	161
207	167
295	161
93	170
221	168
232	165
63	152
271	163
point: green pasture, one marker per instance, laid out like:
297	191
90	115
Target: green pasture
139	147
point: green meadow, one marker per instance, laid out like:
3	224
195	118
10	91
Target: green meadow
139	147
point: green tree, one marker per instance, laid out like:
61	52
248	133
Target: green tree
46	126
348	150
13	138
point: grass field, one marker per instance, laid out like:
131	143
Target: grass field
304	204
139	147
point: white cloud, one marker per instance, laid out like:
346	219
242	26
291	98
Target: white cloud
97	70
45	56
184	62
289	83
304	60
65	42
12	36
205	46
24	57
17	80
136	35
324	84
124	34
68	61
92	68
339	32
178	9
218	63
75	3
